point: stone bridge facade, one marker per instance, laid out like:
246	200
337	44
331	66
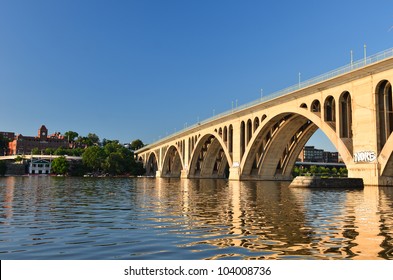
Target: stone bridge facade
262	141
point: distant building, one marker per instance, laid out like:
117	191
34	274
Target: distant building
310	154
25	144
4	138
7	135
330	157
39	166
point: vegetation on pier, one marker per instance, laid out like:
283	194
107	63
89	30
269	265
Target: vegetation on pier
320	171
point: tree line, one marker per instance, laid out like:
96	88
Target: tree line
98	157
320	171
112	159
107	157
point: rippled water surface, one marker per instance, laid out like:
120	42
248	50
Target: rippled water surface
124	218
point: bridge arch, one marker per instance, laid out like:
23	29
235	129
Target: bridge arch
276	144
316	107
210	158
330	111
172	162
384	116
345	115
384	109
151	164
256	124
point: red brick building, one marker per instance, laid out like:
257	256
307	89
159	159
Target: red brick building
25	144
7	135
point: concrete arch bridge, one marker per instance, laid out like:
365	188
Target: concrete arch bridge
352	105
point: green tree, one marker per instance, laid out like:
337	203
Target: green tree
118	160
60	165
137	168
77	168
343	172
313	169
296	171
36	151
111	147
76	152
107	141
93	158
71	136
61	151
19	159
136	144
114	164
84	141
93	138
49	151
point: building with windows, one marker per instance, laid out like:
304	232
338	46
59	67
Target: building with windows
310	154
39	166
21	145
7	135
330	157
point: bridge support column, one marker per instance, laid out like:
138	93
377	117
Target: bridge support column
369	172
235	170
234	173
184	174
158	174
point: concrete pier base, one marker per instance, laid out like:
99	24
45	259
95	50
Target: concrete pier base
318	182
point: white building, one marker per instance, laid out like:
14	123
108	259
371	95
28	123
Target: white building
40	166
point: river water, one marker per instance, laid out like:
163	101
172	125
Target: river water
146	218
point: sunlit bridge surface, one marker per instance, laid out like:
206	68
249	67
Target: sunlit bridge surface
87	218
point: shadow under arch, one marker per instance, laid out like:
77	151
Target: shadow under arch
210	158
151	164
276	145
172	163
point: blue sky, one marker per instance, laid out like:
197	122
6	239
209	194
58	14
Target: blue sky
145	69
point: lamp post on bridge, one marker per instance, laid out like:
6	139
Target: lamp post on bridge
365	54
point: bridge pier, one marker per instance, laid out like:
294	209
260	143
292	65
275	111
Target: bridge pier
158	174
234	173
184	174
369	173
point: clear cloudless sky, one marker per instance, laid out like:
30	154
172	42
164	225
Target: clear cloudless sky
147	68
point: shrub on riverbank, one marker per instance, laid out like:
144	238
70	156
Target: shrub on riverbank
113	159
320	171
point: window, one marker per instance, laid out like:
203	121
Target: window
345	115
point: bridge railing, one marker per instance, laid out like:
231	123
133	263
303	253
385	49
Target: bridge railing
318	79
